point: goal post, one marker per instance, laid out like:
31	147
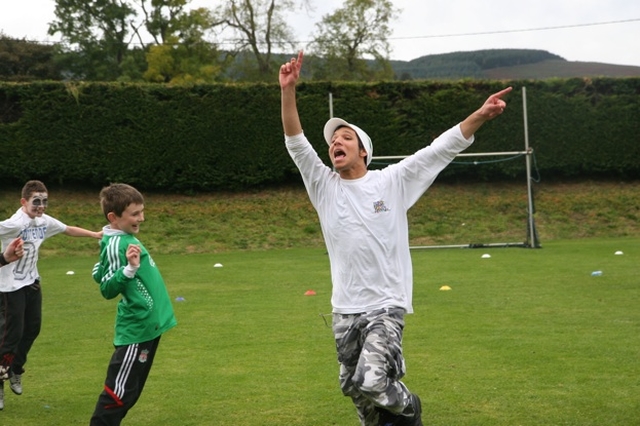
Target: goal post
531	240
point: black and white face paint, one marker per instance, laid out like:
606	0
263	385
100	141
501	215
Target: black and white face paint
37	203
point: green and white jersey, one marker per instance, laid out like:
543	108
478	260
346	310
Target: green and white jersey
144	311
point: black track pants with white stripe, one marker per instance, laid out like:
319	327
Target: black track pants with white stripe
127	373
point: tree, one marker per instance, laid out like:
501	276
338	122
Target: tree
23	60
99	35
259	27
183	55
182	63
352	34
96	31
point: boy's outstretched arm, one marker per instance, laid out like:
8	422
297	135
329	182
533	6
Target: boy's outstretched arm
492	107
74	231
288	77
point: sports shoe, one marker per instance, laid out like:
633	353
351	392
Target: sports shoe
1	395
416	418
15	383
386	418
4	373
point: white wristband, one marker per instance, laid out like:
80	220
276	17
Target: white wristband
130	271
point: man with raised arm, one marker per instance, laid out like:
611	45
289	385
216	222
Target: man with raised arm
363	215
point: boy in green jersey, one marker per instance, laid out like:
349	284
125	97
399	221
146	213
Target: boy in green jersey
144	311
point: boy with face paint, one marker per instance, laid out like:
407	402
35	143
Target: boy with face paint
20	294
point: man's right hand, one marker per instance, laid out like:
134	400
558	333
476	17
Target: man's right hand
290	71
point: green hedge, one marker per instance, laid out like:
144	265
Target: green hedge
229	137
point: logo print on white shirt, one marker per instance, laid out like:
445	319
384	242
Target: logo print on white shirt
379	207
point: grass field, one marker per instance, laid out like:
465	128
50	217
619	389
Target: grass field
526	337
283	218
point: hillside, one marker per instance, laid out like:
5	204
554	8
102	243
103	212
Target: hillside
504	64
562	69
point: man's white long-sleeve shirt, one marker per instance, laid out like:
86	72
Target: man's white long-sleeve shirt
364	221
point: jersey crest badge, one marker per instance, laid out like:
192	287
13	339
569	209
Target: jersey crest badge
144	354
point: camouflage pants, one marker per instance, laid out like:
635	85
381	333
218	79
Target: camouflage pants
369	349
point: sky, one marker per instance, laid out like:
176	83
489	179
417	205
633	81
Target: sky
576	30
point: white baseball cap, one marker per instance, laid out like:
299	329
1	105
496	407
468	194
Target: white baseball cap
334	123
